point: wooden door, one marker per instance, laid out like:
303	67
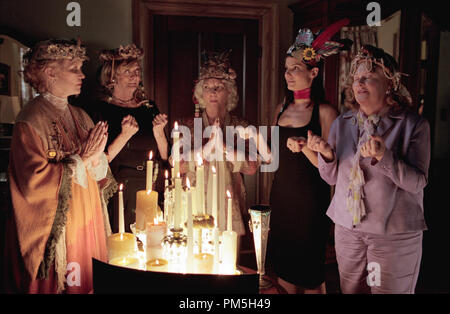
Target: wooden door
178	43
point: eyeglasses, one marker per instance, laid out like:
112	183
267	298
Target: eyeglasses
213	89
129	73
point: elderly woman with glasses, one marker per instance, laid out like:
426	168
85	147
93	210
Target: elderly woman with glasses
377	155
136	127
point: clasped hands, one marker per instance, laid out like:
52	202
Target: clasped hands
373	148
95	144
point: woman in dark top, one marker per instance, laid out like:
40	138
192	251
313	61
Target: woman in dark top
299	228
136	127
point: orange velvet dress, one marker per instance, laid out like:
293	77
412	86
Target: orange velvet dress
59	220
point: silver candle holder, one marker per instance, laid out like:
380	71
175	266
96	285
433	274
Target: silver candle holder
259	225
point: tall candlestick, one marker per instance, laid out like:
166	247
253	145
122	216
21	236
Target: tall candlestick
214	197
229	214
121	210
190	230
149	181
176	148
200	177
166	200
178	195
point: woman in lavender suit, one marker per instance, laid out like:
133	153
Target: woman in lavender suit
377	155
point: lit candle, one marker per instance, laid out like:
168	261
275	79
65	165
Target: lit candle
178	195
229	214
214	197
121	210
190	230
166	181
203	263
121	245
156	232
176	148
146	207
149	183
229	243
130	262
157	264
200	177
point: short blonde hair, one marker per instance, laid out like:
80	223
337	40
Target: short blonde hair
34	73
231	87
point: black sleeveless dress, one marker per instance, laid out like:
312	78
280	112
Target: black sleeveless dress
299	198
129	166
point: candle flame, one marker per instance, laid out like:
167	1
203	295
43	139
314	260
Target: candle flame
178	175
213	169
155	221
176	126
149	191
167	174
121	187
188	183
121	237
150	155
228	194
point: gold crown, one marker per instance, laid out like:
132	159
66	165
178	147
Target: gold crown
216	65
130	51
55	50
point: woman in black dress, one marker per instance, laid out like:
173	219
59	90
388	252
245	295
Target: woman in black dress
299	198
136	127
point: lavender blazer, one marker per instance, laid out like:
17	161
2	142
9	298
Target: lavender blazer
393	192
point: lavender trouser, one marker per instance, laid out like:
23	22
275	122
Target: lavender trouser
371	263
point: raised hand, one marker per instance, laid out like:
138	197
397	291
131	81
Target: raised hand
374	147
129	126
159	122
296	143
318	144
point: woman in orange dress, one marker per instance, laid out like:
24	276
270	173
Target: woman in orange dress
59	180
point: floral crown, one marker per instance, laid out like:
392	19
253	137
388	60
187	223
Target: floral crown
216	65
311	47
130	51
56	49
370	55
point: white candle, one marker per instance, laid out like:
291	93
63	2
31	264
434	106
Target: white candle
229	252
214	197
229	214
166	181
200	177
121	213
155	235
190	230
176	149
216	250
178	196
149	182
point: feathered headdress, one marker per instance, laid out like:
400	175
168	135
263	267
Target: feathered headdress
216	65
311	48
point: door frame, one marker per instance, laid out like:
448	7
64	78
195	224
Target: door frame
267	15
